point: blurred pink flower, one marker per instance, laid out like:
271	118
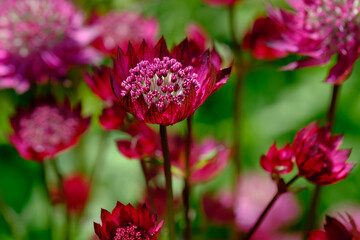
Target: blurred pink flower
257	38
118	29
218	208
229	3
76	190
143	143
127	222
40	40
279	161
318	157
46	128
164	88
254	192
319	30
208	158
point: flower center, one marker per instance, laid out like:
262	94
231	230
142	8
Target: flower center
31	25
131	232
160	82
336	21
46	128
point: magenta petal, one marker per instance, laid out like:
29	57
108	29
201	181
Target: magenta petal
308	62
342	69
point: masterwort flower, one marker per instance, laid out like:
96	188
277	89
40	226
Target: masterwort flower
257	39
207	159
112	116
164	88
143	142
318	157
336	230
278	161
320	29
46	128
41	39
126	223
117	29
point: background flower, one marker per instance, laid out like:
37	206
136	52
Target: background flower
46	128
41	40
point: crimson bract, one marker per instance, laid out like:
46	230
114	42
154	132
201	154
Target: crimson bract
318	157
162	87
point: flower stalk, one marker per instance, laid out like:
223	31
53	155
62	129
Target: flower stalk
168	182
239	85
187	189
317	192
282	188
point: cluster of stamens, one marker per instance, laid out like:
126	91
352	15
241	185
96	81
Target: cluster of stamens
130	232
336	21
160	82
46	128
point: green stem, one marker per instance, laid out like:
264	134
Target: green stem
100	155
312	216
187	187
168	182
148	189
238	94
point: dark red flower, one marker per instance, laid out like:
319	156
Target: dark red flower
256	39
112	117
335	230
143	143
164	88
279	161
46	128
318	156
76	190
126	223
207	159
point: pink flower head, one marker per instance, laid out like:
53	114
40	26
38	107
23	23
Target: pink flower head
318	156
279	161
41	39
254	192
335	230
112	117
228	3
125	223
76	190
143	143
46	128
320	29
218	208
164	88
207	159
117	29
257	38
